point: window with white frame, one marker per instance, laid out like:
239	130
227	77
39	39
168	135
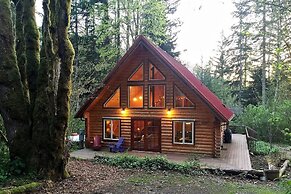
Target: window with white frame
111	129
183	132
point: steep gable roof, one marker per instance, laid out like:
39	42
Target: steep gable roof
200	89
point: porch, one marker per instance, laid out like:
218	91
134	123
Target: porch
234	156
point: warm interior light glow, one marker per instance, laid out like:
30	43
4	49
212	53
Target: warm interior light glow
140	97
134	99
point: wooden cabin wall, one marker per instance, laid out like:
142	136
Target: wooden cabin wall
207	132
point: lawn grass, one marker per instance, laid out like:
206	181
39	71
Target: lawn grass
206	184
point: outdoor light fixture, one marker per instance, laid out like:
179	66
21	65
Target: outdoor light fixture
169	112
123	110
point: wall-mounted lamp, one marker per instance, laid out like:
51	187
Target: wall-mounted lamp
123	110
169	111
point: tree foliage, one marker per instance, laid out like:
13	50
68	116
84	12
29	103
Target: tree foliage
102	31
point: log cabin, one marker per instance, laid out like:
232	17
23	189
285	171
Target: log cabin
156	104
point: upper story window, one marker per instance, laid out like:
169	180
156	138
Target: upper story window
114	100
135	96
157	96
137	74
180	99
154	73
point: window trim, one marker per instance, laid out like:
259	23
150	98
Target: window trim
149	97
174	99
149	65
143	96
103	128
183	131
111	96
143	74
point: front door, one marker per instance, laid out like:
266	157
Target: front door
146	134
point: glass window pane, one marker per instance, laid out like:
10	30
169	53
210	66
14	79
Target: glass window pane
178	130
137	75
188	132
115	129
114	100
155	74
157	96
107	129
181	100
135	96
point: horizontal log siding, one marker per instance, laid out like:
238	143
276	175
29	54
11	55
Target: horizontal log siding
205	137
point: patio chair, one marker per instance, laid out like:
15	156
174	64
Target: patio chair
118	147
96	143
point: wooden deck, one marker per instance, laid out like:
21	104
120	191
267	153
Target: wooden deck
234	156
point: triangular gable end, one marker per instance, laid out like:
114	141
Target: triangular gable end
203	92
181	100
154	73
114	100
137	75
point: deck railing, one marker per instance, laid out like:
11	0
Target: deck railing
251	134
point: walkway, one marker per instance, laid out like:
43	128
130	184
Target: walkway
234	156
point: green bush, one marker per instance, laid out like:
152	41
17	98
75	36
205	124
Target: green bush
4	161
264	148
4	156
271	122
148	163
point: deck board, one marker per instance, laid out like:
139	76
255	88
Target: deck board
234	156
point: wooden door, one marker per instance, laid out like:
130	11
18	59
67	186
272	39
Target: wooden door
146	134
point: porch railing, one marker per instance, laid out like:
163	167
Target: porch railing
251	134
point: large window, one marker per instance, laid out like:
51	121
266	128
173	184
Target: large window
157	96
111	129
181	101
154	73
114	100
135	96
183	132
137	74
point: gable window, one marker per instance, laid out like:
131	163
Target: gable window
157	96
114	100
111	129
135	96
137	75
154	73
181	101
183	132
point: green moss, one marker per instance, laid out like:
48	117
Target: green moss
22	189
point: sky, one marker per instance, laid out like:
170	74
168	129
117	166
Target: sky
203	23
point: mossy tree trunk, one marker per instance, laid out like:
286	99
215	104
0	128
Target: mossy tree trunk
13	104
35	84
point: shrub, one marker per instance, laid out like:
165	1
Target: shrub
4	161
264	148
270	122
148	163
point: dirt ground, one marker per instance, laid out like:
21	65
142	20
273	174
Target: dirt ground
87	177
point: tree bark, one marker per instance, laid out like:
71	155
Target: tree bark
32	48
66	54
264	99
13	104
